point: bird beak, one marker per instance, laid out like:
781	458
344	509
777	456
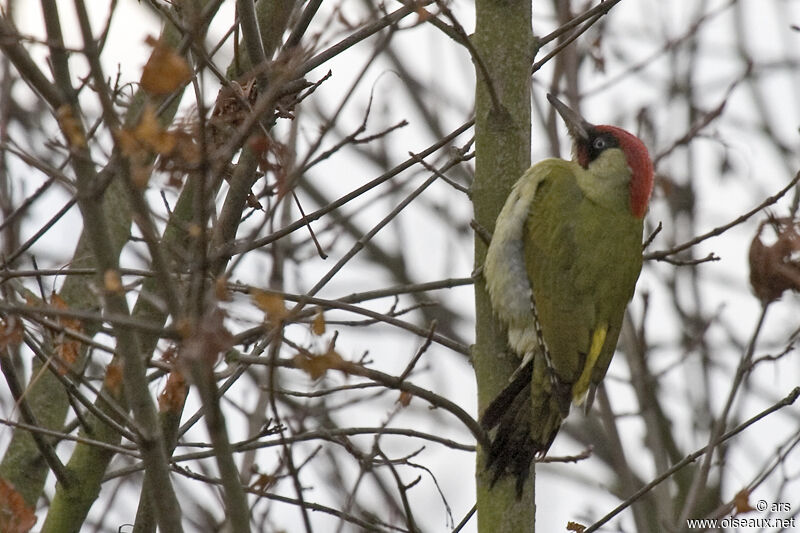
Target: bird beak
577	126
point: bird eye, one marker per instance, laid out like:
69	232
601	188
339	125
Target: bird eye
599	144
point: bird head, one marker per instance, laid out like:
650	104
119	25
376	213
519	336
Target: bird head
590	142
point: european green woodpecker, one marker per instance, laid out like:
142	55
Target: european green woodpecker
561	267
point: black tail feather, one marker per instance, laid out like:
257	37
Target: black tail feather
525	421
493	414
512	448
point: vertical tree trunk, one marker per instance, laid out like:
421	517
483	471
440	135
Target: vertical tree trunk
504	42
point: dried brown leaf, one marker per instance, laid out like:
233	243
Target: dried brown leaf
165	71
741	502
221	289
15	515
263	482
71	127
148	136
405	398
112	281
177	149
317	365
173	396
184	328
775	268
272	304
152	136
113	379
11	332
67	349
576	527
318	325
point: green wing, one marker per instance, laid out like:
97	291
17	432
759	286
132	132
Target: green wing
578	262
583	261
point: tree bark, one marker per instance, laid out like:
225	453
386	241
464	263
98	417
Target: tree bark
505	45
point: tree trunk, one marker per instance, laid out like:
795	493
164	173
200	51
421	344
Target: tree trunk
504	42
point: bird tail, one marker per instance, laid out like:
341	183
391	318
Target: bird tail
527	415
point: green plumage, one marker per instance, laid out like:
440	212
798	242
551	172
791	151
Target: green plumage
566	250
582	260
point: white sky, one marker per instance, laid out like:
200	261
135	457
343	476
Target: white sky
636	30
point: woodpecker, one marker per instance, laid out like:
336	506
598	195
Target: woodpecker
561	267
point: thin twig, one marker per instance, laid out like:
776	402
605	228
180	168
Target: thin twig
788	400
600	9
294	226
742	370
356	37
394	382
591	16
44	446
466	519
662	255
464	39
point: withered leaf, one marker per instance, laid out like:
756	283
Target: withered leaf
147	136
272	304
173	396
113	378
405	398
775	268
112	281
575	526
11	332
263	482
221	291
318	325
317	365
15	515
741	502
71	127
165	71
67	349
